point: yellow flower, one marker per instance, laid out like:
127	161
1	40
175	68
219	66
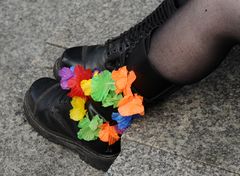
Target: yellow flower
77	114
78	111
86	87
95	73
78	102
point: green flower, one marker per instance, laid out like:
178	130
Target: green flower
112	99
101	85
89	128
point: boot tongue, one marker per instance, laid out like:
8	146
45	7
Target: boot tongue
149	82
96	108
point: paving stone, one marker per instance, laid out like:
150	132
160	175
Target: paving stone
23	151
93	22
25	28
139	159
26	25
200	121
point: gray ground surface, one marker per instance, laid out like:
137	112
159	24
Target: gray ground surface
195	132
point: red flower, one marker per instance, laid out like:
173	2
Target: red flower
75	82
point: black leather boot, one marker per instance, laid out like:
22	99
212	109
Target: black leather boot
130	49
47	106
108	55
47	109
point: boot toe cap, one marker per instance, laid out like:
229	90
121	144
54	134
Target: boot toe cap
72	56
38	88
91	57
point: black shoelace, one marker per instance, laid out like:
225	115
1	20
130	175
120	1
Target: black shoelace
120	47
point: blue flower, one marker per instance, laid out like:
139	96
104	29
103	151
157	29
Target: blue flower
72	68
123	121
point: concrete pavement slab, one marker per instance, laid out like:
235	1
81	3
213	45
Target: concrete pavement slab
139	159
200	121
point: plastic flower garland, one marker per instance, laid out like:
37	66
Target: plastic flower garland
111	89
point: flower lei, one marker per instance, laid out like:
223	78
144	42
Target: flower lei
111	89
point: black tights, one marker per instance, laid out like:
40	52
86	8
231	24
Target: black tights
196	39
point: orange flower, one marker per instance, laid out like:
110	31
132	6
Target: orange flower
131	105
123	80
108	134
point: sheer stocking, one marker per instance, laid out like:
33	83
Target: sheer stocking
196	39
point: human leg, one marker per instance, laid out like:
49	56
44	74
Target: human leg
196	39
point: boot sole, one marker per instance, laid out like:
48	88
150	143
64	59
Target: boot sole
97	161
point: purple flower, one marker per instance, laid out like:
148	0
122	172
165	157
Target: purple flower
65	73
